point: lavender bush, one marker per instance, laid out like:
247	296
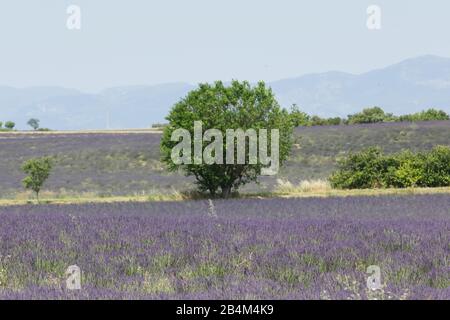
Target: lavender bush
235	249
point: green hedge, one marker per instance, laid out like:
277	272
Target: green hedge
370	168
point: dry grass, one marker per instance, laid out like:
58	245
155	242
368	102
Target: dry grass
322	188
285	189
46	194
305	186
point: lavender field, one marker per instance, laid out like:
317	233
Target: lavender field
312	248
106	164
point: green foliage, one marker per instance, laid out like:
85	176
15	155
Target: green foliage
9	125
318	121
159	125
238	106
364	169
299	118
437	167
370	115
38	171
426	115
335	121
33	123
370	168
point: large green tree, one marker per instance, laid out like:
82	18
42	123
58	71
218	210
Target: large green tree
236	106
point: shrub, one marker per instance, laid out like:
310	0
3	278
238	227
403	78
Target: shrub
38	171
436	168
159	125
406	171
365	169
298	117
370	168
426	115
370	115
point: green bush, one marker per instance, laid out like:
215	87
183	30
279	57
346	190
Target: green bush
426	115
437	167
406	170
365	169
298	117
370	115
370	168
9	125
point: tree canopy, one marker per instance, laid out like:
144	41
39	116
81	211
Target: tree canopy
221	107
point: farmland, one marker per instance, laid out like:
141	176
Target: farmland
128	162
281	246
248	248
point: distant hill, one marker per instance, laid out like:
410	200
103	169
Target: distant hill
67	109
406	87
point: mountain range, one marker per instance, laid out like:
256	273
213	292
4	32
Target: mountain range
409	86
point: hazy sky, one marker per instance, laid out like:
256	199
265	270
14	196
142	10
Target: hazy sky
128	42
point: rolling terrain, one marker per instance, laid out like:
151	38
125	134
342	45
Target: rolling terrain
127	163
406	87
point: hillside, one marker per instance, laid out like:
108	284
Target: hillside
406	87
124	163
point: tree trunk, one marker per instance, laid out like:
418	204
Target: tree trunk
226	191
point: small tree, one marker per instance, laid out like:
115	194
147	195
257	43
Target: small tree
298	117
1	124
10	125
33	123
38	171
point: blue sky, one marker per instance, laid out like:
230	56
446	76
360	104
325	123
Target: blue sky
130	42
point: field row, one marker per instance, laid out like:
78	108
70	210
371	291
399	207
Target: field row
125	163
312	248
